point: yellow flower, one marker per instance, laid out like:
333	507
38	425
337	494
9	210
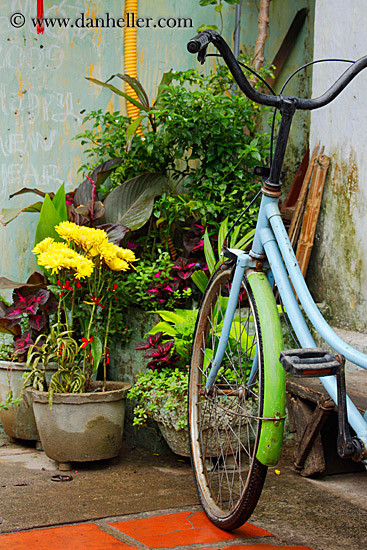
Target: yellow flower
88	238
126	254
84	268
92	239
116	264
107	251
59	256
68	231
43	245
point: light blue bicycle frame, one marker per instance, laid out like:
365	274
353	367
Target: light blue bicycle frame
271	241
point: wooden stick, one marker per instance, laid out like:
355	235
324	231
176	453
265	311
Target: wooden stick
262	34
297	216
312	210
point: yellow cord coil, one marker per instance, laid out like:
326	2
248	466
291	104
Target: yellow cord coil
131	54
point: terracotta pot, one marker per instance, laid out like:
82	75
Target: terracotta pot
81	426
17	421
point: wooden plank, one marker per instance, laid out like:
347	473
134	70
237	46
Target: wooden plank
289	204
287	44
312	389
311	214
290	406
315	461
314	425
297	216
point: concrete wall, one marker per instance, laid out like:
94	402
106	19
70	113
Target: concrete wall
44	94
338	270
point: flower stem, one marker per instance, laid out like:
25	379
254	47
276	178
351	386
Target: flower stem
105	345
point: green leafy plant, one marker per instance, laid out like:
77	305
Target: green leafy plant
7	352
205	143
10	401
52	211
143	103
60	347
161	396
155	284
218	6
235	240
162	391
180	326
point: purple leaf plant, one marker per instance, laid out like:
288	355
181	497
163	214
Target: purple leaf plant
28	316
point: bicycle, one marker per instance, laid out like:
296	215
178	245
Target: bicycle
236	404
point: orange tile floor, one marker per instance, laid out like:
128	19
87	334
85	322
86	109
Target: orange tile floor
158	531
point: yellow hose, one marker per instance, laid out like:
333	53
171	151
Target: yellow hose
131	55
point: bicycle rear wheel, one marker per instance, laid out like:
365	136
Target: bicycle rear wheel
225	425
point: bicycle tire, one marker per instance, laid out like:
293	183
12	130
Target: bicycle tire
228	488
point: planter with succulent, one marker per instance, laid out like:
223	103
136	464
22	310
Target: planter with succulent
23	320
78	419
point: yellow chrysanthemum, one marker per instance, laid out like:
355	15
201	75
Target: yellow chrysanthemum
43	245
58	256
92	239
88	238
68	231
126	254
84	268
116	264
107	251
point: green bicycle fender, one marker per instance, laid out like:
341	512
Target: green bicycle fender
271	436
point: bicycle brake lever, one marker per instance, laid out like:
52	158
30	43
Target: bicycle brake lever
202	54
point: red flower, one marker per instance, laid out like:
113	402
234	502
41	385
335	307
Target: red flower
87	341
67	286
97	301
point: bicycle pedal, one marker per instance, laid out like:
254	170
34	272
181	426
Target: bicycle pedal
309	362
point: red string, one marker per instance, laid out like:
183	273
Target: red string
40	14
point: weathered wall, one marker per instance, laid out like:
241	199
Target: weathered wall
338	270
44	95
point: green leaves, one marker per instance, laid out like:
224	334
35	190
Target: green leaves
9	214
97	351
131	203
200	280
142	103
118	92
52	213
137	87
179	325
209	253
235	241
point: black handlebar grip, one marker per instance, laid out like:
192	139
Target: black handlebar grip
199	42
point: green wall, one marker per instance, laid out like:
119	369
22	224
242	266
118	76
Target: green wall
44	93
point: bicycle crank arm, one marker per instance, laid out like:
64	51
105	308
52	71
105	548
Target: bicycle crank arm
315	363
347	446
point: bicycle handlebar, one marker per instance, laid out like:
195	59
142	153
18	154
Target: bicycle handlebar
199	43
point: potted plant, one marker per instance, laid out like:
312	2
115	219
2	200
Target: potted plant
23	320
78	418
161	392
